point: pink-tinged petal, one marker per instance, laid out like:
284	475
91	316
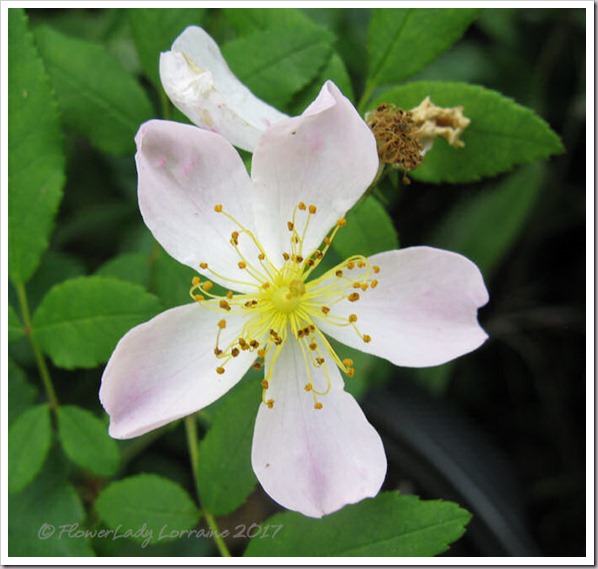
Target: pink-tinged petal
184	172
200	84
314	461
423	311
166	369
326	157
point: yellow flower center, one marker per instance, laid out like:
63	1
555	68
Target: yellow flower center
284	304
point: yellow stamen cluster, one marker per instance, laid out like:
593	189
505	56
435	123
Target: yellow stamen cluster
284	304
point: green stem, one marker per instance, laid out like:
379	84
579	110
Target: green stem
39	357
191	430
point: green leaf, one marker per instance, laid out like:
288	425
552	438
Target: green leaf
403	41
147	501
501	135
155	29
390	525
35	152
369	230
29	440
86	442
15	328
130	267
98	98
259	19
277	63
21	394
226	477
80	321
45	518
485	225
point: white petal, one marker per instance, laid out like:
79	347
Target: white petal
184	172
166	369
423	311
200	84
314	461
326	157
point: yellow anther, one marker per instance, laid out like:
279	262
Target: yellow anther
312	209
265	384
217	351
219	370
222	324
203	265
341	222
313	346
286	256
244	345
339	273
234	237
224	305
356	285
290	225
325	309
234	352
350	372
352	318
218	208
348	362
374	283
367	339
207	286
261	353
254	344
257	366
364	286
308	387
301	206
376	269
198	297
327	240
229	294
353	297
242	265
318	405
266	285
350	265
261	256
195	281
361	264
319	361
270	403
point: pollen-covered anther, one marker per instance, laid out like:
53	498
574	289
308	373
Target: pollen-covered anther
234	352
353	297
242	265
222	324
313	209
339	273
218	208
302	206
217	352
350	265
203	265
374	283
348	362
261	353
356	284
207	286
265	384
352	319
350	372
325	309
224	305
320	361
198	297
219	370
286	256
318	405
234	237
376	268
257	366
270	403
290	225
195	281
313	346
308	387
341	222
361	264
367	339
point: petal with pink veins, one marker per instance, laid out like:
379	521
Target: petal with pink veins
326	157
184	172
314	461
423	311
165	369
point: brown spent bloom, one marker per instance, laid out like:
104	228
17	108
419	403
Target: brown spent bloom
403	137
